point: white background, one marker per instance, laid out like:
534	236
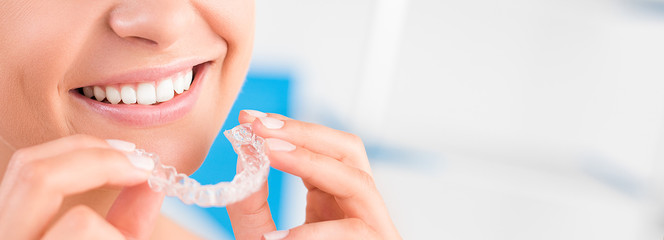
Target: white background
513	119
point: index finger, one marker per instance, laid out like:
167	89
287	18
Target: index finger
345	147
52	148
58	146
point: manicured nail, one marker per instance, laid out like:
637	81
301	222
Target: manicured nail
276	235
255	113
140	162
271	123
121	145
276	144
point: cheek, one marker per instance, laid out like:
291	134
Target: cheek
39	40
233	21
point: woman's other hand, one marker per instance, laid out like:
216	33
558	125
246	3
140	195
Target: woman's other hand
342	199
38	178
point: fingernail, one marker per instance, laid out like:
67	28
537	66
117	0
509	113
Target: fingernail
255	113
121	145
276	144
271	123
276	235
140	162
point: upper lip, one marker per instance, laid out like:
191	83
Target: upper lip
150	73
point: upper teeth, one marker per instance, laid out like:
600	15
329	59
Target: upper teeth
145	93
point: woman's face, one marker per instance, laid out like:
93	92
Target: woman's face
54	53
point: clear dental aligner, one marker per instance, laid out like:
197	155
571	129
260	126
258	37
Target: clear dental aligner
252	162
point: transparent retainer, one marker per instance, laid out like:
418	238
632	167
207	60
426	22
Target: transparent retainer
252	162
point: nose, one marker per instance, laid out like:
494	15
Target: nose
155	22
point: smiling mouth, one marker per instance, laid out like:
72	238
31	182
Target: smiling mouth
144	93
147	98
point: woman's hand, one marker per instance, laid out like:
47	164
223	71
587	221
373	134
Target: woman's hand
38	178
342	200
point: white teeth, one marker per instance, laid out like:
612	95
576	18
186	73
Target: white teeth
128	94
178	84
88	92
142	93
165	90
99	92
188	79
145	94
113	95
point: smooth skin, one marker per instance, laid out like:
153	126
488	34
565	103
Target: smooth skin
62	180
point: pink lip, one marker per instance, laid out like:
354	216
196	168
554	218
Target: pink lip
149	74
149	115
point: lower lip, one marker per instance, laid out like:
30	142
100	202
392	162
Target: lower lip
149	115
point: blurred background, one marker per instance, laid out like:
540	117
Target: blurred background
513	119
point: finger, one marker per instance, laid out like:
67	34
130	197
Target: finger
135	211
349	228
45	183
247	116
52	148
340	145
81	222
353	188
303	132
252	216
57	147
320	170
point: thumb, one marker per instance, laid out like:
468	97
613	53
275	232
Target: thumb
135	211
251	217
